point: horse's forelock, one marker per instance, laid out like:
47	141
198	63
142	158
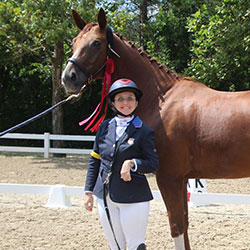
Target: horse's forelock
88	27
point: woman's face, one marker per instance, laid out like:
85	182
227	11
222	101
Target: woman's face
125	102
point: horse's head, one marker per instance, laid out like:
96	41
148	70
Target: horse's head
90	49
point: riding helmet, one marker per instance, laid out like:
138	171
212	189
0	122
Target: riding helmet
123	85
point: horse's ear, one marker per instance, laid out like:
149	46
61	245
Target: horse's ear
78	20
102	19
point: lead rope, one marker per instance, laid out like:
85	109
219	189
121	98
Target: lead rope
41	114
108	71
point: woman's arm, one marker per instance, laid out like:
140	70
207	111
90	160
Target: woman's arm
148	162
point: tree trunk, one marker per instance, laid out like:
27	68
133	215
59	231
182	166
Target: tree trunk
143	22
57	114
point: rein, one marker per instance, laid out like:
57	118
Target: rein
43	113
90	78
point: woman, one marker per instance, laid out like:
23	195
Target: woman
123	152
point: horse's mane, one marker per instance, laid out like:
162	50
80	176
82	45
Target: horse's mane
151	59
141	52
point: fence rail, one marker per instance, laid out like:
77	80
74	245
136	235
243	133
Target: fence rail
46	149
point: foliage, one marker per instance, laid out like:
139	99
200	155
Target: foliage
169	37
221	45
29	34
169	41
31	25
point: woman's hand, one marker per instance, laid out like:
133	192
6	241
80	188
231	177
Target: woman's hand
89	201
125	170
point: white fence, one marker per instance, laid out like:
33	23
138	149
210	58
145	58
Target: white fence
59	195
46	149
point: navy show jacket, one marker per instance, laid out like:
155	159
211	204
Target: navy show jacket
137	144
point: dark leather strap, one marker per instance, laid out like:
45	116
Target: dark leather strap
105	187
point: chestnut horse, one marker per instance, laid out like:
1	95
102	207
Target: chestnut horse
200	132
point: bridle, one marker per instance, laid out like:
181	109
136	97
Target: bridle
91	77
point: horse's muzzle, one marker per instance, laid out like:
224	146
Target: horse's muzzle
72	79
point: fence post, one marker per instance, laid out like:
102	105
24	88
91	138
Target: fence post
46	145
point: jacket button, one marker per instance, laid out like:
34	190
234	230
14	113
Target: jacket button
113	145
112	154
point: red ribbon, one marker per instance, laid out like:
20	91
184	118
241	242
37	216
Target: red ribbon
105	89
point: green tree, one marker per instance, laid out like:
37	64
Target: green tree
25	76
221	45
168	37
43	28
132	18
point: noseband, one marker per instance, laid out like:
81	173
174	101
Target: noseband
90	77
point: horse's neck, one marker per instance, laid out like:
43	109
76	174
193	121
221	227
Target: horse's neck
151	77
137	65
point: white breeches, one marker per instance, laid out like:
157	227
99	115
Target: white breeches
129	222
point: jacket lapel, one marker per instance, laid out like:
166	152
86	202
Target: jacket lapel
111	131
131	129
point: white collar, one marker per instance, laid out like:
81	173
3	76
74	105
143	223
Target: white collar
123	122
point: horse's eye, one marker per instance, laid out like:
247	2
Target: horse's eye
97	44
